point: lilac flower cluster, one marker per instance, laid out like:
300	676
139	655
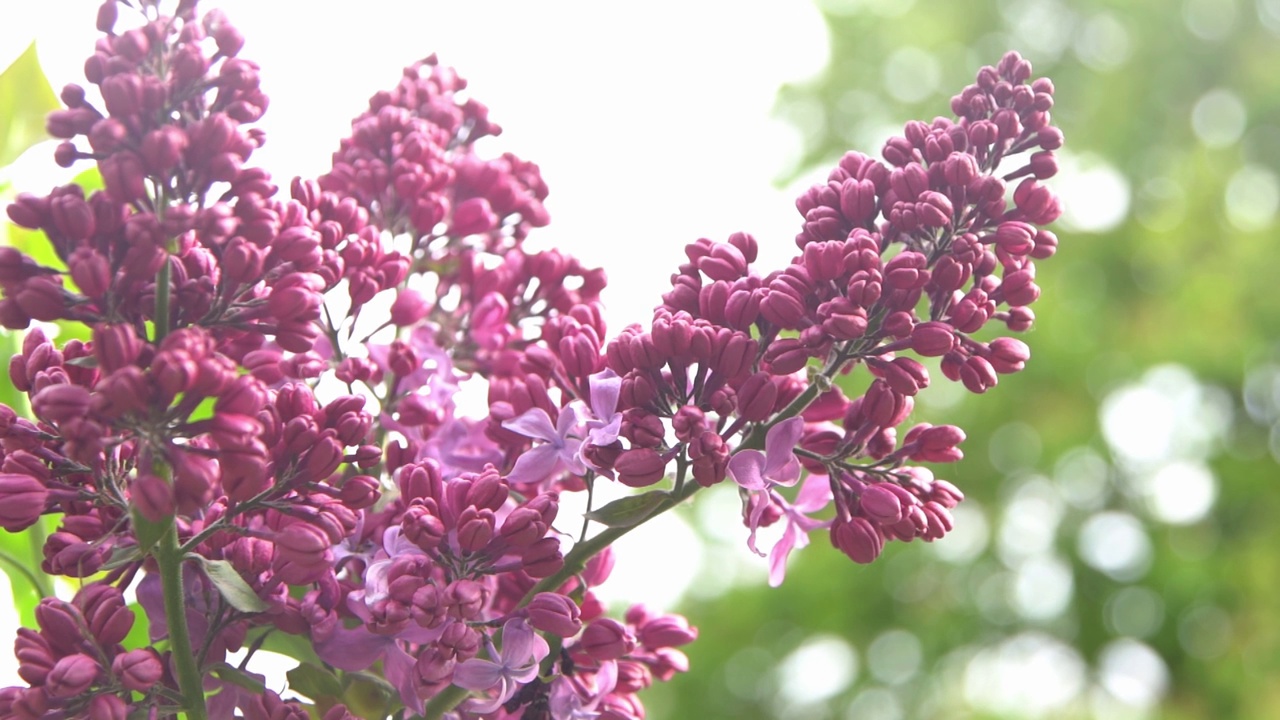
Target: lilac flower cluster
243	448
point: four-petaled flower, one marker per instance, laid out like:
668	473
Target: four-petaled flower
561	443
512	666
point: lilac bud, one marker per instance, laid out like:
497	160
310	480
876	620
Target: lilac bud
108	707
60	403
138	670
640	467
543	558
880	504
606	639
977	375
153	497
933	338
554	613
858	539
22	501
667	631
72	675
1008	355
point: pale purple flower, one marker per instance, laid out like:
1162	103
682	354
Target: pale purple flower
514	665
571	699
814	495
561	444
606	422
777	465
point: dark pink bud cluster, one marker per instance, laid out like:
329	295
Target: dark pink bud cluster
74	663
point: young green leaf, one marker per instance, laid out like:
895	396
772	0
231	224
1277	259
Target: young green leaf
628	511
229	583
25	98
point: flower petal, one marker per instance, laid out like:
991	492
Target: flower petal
747	468
606	386
780	443
535	465
533	423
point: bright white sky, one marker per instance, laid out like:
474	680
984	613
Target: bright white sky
651	121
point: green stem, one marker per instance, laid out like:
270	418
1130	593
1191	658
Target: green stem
163	279
37	581
190	682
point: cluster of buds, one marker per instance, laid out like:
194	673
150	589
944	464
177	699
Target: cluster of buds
200	451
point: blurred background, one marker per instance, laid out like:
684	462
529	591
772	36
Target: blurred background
1118	555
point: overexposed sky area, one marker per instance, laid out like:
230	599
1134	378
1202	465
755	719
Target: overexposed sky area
650	121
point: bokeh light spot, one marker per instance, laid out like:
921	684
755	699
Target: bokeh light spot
1081	476
1161	205
1205	631
1134	611
1027	675
1116	544
969	537
894	657
1219	118
1103	43
1095	195
1209	19
911	74
1181	493
1252	198
1042	588
1133	673
875	704
817	670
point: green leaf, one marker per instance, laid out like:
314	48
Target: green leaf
368	696
25	98
315	682
297	647
147	532
236	676
233	587
628	511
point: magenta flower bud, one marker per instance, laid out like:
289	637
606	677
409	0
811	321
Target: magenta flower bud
115	346
522	527
782	308
880	504
360	492
543	558
107	13
409	307
60	403
632	677
1008	355
323	458
35	657
42	298
787	355
606	639
977	375
72	675
22	501
640	467
304	545
138	670
153	497
475	529
667	631
162	148
724	262
904	375
933	338
72	216
1037	202
554	613
937	444
339	712
858	539
123	176
757	397
642	429
472	217
108	707
939	520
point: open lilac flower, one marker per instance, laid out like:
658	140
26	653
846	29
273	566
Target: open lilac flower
560	444
777	465
605	425
815	494
516	664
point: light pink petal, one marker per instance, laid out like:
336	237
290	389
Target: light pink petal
815	494
401	671
605	388
533	423
780	443
535	465
477	674
747	468
779	554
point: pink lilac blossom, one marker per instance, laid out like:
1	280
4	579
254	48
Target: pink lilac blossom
380	525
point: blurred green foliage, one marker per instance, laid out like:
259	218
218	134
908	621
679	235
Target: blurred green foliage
1171	112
